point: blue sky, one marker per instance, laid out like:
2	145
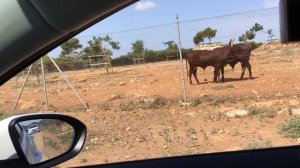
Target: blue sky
147	13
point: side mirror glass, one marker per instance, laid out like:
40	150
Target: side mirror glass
44	139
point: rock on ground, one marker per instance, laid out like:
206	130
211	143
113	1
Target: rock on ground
237	113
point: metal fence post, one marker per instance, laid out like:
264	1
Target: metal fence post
44	82
181	61
21	91
68	82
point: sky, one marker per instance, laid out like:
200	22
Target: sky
140	20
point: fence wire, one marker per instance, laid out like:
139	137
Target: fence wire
131	82
151	51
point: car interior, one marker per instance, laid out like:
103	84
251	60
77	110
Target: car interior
44	25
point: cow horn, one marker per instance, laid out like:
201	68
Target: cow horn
231	43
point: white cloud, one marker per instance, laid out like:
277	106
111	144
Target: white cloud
270	3
140	6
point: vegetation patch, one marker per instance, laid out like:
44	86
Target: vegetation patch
259	145
165	134
195	102
154	103
104	106
51	144
291	128
223	87
130	106
66	138
263	112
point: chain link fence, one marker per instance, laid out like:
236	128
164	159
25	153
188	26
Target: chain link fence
129	88
154	51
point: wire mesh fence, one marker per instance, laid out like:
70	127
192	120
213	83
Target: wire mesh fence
153	51
131	82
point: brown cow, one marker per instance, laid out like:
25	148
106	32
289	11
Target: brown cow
240	53
216	58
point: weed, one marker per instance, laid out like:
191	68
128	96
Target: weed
262	111
270	113
291	129
222	87
257	145
233	99
235	132
204	135
105	106
253	111
214	131
217	101
191	131
165	133
82	160
290	111
66	138
116	97
130	106
51	144
142	138
195	102
219	116
155	103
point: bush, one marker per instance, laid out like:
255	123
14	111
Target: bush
195	102
257	145
64	63
122	61
104	106
291	129
155	103
130	106
262	111
150	56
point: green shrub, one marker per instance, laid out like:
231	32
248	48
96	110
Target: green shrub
195	102
259	145
291	129
155	103
104	106
263	112
130	106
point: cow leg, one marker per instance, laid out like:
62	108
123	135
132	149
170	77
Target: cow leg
222	72
190	74
250	71
216	74
243	71
195	75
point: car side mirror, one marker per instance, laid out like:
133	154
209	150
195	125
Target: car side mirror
46	140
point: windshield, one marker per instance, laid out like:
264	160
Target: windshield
125	79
